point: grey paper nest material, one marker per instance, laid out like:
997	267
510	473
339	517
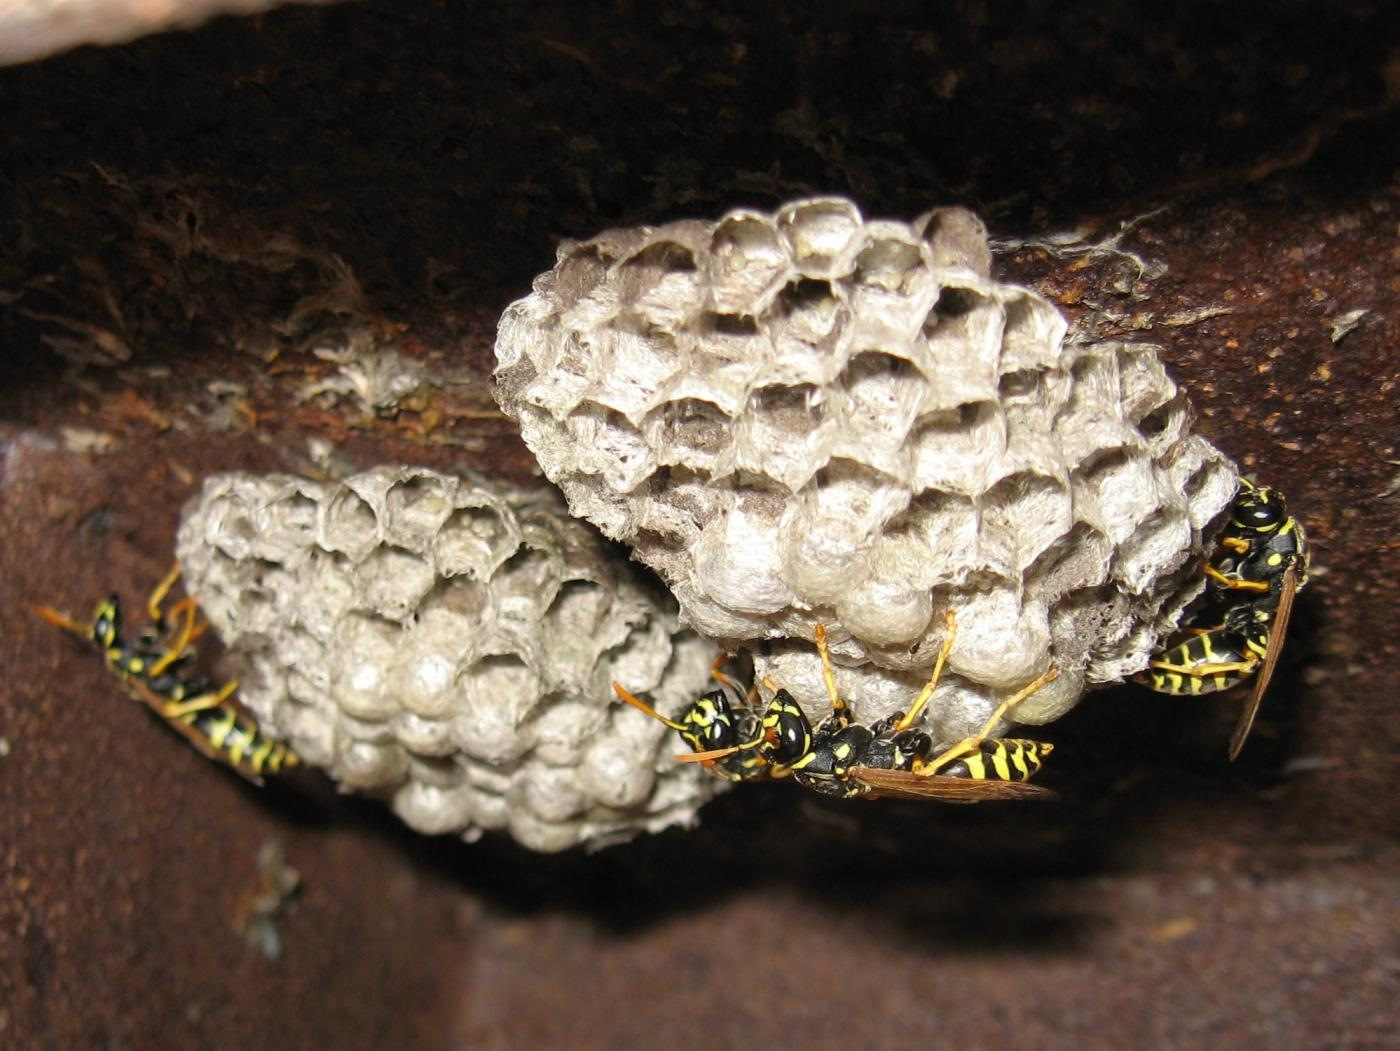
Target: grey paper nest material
805	417
450	644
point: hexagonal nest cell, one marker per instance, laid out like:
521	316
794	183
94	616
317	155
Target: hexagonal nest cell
805	417
450	644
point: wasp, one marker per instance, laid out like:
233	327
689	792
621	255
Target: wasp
1262	543
722	727
220	729
845	758
1261	566
154	667
145	657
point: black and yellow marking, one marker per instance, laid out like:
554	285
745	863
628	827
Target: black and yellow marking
975	769
1207	662
155	651
720	727
787	735
1261	565
226	733
846	759
1005	759
154	669
1260	544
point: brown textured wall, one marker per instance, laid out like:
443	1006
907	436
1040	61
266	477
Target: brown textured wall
212	207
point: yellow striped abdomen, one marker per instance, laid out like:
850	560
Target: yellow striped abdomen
1013	759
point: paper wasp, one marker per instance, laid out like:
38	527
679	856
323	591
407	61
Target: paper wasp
155	669
716	724
845	758
1261	566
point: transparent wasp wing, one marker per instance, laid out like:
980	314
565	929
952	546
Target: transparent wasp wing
1287	591
903	784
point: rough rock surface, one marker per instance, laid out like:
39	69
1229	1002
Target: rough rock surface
451	644
804	417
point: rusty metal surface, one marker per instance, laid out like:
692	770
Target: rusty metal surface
192	210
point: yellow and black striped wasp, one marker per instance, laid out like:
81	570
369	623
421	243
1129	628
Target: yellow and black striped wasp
154	667
156	653
845	758
1261	566
715	725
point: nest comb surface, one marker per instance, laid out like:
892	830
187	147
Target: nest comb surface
450	644
804	417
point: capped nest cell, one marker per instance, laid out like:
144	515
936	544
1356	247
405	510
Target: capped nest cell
450	644
803	417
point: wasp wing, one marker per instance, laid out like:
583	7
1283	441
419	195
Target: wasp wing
1287	590
904	784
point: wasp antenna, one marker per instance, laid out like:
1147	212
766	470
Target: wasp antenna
60	620
636	702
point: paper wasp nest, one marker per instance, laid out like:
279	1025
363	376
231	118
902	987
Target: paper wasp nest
450	644
805	417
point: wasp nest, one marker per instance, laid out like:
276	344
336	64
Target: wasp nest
806	418
450	644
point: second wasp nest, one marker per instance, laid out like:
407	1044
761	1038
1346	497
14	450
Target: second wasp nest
805	417
450	644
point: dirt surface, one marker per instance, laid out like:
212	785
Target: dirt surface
190	219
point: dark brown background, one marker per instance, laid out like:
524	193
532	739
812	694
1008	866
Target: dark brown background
173	209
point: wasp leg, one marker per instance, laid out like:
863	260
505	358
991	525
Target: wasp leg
916	709
180	643
203	703
188	603
718	673
931	766
159	594
1235	583
186	608
838	706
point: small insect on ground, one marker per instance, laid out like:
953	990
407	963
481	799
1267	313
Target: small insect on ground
156	668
